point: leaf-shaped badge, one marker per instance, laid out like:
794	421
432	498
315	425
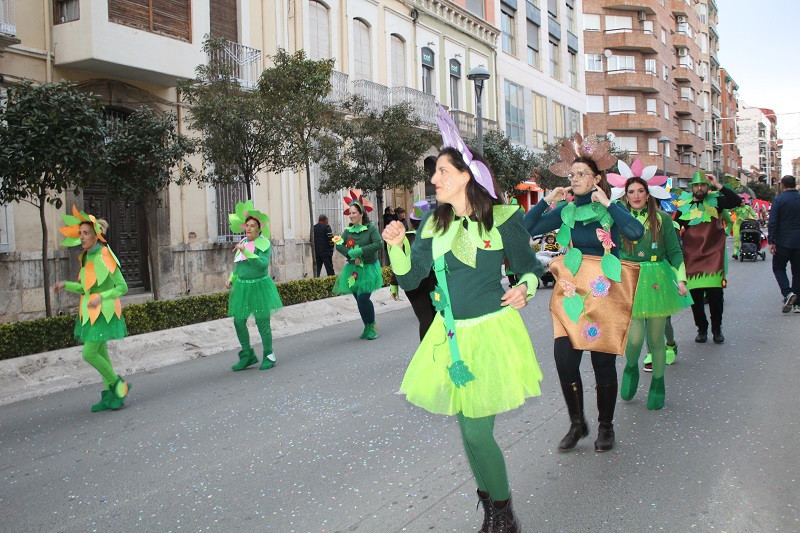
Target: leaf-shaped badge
573	260
612	267
573	305
564	235
568	214
463	248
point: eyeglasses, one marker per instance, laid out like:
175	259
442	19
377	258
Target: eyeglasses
579	175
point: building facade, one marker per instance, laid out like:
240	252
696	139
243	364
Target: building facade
758	143
729	159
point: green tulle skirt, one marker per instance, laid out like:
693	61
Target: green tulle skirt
359	279
657	291
100	331
498	351
257	297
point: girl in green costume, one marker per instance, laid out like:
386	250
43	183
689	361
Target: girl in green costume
476	359
360	244
660	293
252	290
99	313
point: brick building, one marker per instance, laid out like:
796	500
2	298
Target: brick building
730	160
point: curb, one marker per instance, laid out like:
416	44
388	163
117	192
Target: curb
44	373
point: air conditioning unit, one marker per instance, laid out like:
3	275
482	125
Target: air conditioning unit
683	52
681	19
642	16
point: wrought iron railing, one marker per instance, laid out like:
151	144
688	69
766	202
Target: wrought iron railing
243	62
423	104
8	17
226	198
340	88
375	94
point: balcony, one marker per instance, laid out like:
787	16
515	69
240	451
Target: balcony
375	94
242	62
681	7
629	80
465	122
422	104
685	73
340	88
683	40
8	23
690	138
630	5
715	111
687	107
95	44
715	84
634	122
636	40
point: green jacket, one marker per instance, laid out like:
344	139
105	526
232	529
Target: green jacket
367	238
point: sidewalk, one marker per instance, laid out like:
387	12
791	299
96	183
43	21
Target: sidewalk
44	373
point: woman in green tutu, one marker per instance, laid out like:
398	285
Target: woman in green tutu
660	292
360	244
252	290
100	284
476	360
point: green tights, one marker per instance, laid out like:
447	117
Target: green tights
654	329
264	329
485	456
96	354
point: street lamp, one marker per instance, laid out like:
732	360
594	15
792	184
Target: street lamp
665	141
479	75
716	162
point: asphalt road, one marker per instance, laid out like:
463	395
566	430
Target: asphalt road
322	442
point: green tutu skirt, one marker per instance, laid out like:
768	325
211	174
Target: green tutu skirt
359	279
100	331
657	291
498	351
257	297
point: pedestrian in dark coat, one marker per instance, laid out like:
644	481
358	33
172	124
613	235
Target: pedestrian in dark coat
784	241
323	246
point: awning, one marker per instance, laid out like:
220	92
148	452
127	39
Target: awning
529	186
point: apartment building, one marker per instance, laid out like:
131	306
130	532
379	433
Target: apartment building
540	70
643	79
728	158
758	143
796	167
131	54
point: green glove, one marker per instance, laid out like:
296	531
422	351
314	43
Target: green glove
355	253
393	290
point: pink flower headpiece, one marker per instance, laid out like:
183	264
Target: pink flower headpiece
356	197
589	148
746	198
452	138
637	170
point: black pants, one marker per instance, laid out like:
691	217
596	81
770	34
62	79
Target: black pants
326	260
715	301
420	299
568	362
782	256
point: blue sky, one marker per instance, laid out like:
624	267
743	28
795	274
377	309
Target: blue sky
759	43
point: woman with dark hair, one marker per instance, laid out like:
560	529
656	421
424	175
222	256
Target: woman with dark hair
476	359
360	243
100	284
584	318
660	292
252	290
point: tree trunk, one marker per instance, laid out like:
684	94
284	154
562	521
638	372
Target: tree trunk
45	266
311	219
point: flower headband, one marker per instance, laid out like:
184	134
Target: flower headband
589	148
73	228
452	139
637	170
356	197
245	210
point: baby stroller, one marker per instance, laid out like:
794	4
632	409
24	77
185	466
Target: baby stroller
546	249
752	241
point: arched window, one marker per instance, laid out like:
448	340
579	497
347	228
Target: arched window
319	30
398	61
362	51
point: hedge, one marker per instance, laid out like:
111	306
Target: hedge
45	334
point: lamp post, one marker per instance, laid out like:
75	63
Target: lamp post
665	141
716	162
479	75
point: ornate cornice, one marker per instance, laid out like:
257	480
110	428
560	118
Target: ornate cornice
459	18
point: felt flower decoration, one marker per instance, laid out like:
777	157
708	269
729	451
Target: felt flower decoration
638	170
605	239
351	242
568	286
356	197
73	227
591	331
244	210
336	239
600	286
439	299
592	147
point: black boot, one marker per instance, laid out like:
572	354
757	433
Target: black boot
488	511
717	335
573	396
702	336
505	521
606	401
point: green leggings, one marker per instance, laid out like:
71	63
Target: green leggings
264	329
654	329
485	456
96	354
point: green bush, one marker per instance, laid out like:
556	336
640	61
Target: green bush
45	334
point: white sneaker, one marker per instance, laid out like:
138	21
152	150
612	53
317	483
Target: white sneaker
796	308
788	302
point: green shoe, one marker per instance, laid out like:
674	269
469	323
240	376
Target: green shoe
364	333
370	332
268	362
630	381
648	363
102	405
246	358
655	398
672	352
